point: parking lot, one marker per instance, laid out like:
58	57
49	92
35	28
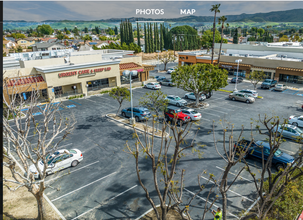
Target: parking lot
105	186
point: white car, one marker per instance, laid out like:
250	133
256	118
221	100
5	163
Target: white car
191	95
170	70
194	116
176	100
61	159
296	120
280	87
153	85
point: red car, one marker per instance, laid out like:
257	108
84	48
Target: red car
301	216
170	113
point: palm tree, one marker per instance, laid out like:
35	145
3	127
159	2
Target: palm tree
214	8
221	21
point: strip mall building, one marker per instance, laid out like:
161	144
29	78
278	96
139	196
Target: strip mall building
71	73
283	63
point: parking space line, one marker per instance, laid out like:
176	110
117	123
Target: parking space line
209	202
231	191
106	201
74	102
235	175
218	111
72	171
65	145
218	98
90	100
288	151
210	114
83	186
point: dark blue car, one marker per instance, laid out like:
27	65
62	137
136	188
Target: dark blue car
139	113
279	160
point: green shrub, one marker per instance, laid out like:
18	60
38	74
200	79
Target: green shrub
106	91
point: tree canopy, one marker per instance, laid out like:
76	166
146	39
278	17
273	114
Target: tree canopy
207	38
45	29
199	78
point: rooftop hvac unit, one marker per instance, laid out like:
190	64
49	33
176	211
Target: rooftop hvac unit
246	55
230	55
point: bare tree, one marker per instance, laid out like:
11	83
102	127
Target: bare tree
256	76
272	186
166	57
17	134
231	156
162	165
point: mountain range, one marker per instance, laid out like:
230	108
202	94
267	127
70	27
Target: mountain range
294	15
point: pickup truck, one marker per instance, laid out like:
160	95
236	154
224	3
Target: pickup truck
279	160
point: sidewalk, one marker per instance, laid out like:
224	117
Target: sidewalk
294	86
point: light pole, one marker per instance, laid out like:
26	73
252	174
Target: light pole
130	74
158	51
86	90
237	74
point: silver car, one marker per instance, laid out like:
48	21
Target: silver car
176	100
192	96
167	82
280	87
241	97
249	92
291	132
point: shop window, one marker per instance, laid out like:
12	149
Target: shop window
187	57
125	80
97	84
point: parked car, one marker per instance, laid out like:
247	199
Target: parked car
249	92
153	85
191	95
208	94
280	87
268	83
241	97
172	113
296	120
160	78
59	160
234	80
167	82
170	70
139	113
176	100
290	132
279	160
192	113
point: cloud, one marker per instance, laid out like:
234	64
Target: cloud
15	14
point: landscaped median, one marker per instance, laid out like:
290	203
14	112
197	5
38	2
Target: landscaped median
223	90
139	126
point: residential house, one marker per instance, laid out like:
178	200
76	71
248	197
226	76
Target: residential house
27	42
48	46
47	39
94	37
85	47
9	44
10	38
101	44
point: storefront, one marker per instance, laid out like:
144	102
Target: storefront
232	68
22	87
269	72
143	72
290	75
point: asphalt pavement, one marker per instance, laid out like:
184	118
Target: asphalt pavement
105	185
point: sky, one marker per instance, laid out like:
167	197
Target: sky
96	10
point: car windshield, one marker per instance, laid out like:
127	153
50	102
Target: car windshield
278	153
177	110
156	84
278	85
178	98
267	81
194	112
73	151
299	130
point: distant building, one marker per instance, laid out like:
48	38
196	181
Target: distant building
47	46
27	42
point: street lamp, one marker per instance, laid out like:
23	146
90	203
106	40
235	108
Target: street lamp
158	51
86	90
237	74
130	74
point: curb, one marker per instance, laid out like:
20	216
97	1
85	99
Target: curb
46	198
135	127
146	212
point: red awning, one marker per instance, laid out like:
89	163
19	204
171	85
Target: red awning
24	80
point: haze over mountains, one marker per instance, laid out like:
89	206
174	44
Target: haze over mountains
294	15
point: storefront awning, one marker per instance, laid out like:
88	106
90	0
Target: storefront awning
289	69
24	80
234	64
